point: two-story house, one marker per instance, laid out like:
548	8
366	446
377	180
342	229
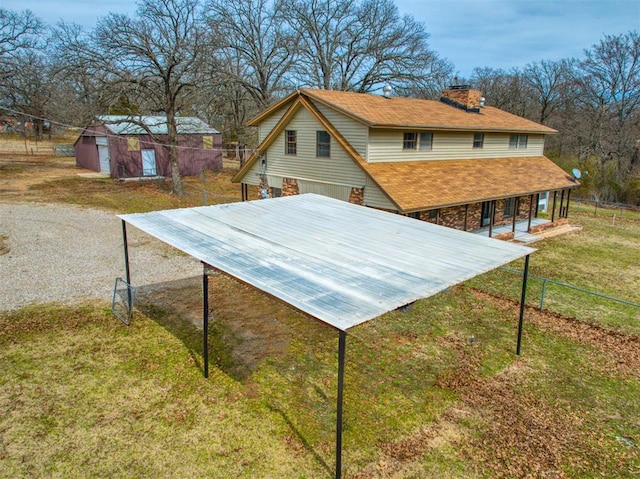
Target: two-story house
454	162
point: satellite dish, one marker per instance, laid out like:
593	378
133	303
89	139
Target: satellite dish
577	174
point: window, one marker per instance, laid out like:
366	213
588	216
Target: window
410	141
426	141
509	207
518	141
291	145
478	140
133	143
323	144
522	141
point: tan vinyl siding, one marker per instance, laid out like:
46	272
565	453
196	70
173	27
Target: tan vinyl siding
374	197
354	132
326	189
339	168
269	123
386	145
252	177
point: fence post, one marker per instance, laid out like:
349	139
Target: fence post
544	289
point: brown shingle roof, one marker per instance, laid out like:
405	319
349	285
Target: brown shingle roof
380	112
421	185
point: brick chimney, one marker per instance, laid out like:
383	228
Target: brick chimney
463	97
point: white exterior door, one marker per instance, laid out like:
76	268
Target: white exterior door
149	163
103	154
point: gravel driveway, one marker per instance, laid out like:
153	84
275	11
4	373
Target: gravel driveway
67	253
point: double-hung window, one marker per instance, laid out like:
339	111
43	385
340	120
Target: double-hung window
518	141
426	141
323	144
291	142
478	140
410	140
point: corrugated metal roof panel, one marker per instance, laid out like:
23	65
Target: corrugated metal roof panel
341	263
126	125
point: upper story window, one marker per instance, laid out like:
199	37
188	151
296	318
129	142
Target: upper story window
426	141
478	140
518	141
323	144
410	140
290	142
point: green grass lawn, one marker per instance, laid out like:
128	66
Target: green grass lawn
436	392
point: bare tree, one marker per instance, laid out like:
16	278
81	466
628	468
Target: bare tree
507	90
28	89
157	59
548	81
19	32
608	103
360	46
259	47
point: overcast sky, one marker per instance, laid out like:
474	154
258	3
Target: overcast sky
470	33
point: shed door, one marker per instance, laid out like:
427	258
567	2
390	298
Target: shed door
103	157
149	163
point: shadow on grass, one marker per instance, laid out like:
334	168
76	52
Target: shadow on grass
177	307
244	328
303	440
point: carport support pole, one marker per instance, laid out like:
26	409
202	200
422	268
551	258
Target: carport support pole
126	261
342	345
523	297
205	320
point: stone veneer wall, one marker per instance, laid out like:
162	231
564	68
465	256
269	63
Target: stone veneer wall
290	187
357	196
453	216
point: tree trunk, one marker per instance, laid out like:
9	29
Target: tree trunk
172	137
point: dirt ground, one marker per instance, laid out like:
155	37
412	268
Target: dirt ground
23	172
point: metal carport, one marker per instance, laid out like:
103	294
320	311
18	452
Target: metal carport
340	263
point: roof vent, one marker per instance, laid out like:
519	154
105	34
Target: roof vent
386	90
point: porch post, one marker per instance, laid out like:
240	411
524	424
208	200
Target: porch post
568	197
530	206
466	215
342	344
553	211
515	214
523	297
561	213
492	213
205	320
126	262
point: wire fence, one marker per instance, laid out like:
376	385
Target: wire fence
604	208
566	299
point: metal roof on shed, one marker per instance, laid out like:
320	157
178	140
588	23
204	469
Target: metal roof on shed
340	263
127	125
